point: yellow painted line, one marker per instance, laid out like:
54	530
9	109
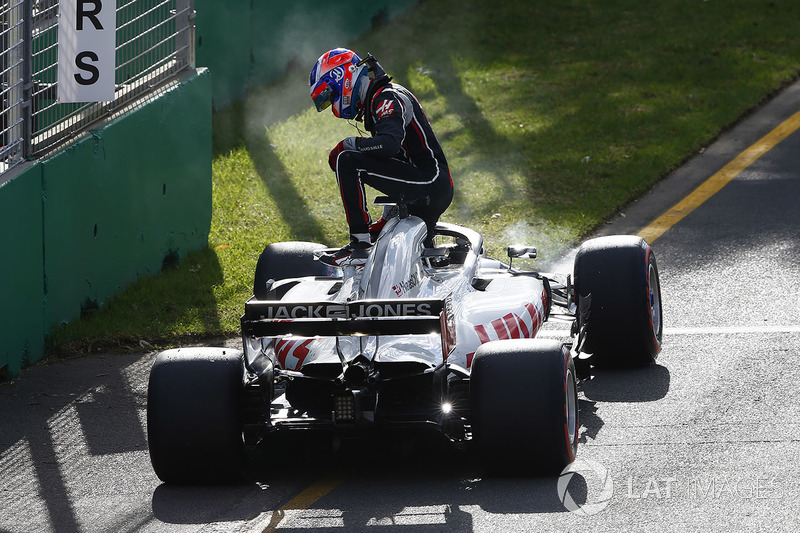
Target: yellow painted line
304	500
716	182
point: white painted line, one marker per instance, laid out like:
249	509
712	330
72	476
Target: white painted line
735	330
732	330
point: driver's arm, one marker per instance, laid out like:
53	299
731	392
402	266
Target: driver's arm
389	127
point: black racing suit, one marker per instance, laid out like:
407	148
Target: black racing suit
402	157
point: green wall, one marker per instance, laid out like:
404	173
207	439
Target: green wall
21	273
80	226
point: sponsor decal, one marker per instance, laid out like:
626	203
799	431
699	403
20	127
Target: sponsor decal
313	319
404	309
402	287
385	109
370	148
292	353
448	325
337	73
360	309
288	312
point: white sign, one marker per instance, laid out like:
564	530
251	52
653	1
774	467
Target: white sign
86	56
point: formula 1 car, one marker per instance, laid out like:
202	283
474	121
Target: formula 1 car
407	338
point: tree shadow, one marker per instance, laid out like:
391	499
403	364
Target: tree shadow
55	421
247	124
484	139
295	210
182	293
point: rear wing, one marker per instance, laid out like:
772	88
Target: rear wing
422	316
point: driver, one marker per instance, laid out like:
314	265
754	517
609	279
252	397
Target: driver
402	157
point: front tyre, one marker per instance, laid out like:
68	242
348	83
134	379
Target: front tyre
524	404
619	300
194	415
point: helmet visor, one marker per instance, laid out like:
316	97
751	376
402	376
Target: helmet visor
323	95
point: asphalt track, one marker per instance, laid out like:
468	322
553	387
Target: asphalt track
706	439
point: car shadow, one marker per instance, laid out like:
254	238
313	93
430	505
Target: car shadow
644	384
414	483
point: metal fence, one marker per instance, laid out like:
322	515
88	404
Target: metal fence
154	42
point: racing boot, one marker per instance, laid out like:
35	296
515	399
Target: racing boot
356	249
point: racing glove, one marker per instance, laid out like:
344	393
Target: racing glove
345	144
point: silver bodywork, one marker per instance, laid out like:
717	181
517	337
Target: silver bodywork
486	301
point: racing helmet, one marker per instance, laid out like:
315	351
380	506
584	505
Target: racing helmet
334	81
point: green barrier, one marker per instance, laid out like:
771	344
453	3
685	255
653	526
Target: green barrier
103	212
222	43
125	198
21	290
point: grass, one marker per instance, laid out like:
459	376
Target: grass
553	116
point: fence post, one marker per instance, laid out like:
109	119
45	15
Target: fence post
27	79
184	39
14	82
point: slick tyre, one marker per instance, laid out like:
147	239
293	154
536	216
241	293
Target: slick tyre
282	260
194	415
619	301
524	406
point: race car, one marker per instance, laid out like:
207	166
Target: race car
408	338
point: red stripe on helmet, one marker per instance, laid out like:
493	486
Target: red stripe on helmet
338	59
318	89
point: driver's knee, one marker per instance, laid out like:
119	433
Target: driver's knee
348	162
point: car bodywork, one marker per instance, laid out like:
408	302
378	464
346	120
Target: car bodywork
391	338
405	337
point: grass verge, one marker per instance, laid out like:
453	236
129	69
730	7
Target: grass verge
553	116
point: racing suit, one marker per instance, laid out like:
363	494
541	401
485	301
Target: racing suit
402	157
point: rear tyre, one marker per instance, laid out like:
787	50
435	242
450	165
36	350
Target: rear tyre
619	300
283	260
194	415
524	405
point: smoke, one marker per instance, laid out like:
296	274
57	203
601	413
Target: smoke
294	41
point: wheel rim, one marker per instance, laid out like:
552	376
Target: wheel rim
655	299
571	402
